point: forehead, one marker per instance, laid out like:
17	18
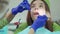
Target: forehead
38	2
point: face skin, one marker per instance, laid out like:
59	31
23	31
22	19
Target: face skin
3	7
37	8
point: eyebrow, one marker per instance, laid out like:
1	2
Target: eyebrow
41	3
33	4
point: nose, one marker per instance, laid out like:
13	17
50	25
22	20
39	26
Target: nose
36	8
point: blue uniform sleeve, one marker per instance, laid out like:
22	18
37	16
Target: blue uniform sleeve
16	10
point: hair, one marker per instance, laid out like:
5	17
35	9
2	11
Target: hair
49	23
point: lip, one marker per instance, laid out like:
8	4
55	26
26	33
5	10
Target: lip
36	13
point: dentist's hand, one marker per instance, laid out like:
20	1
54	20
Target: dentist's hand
39	22
21	7
25	4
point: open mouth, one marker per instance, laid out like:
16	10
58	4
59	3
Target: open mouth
36	13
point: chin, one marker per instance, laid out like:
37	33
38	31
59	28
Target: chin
35	17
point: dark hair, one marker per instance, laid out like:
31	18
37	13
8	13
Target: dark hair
49	23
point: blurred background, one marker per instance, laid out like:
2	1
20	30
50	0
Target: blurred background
54	7
9	4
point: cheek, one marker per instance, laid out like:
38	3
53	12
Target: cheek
42	12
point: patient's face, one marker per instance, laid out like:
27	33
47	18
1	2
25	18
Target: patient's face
37	8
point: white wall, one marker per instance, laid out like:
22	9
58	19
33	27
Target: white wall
55	9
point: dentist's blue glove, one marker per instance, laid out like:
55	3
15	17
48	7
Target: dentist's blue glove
21	7
26	5
39	22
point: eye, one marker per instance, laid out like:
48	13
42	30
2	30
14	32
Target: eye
32	6
41	6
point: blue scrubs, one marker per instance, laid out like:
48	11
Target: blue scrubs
4	30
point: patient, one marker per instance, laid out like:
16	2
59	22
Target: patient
39	7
